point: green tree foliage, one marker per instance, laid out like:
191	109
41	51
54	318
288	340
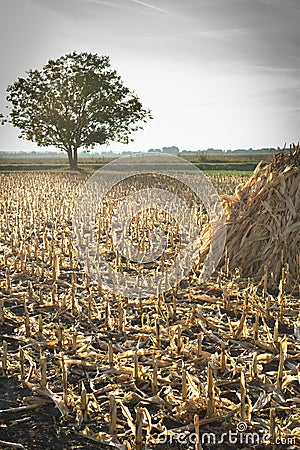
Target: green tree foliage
75	102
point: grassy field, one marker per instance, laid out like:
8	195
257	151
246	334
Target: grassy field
221	164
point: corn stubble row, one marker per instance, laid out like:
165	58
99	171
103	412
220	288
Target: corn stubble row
121	371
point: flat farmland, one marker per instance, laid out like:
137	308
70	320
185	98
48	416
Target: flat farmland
83	367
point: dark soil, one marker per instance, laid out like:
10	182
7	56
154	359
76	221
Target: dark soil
35	429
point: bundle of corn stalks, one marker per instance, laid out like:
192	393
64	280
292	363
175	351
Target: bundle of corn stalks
263	220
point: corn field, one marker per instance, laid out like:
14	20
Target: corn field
135	373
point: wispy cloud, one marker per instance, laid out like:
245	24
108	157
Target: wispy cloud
221	32
127	7
104	3
152	7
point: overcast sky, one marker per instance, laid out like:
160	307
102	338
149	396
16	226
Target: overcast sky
215	73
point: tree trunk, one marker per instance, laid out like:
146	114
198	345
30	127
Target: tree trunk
72	159
75	158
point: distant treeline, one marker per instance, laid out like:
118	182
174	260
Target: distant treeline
171	150
212	151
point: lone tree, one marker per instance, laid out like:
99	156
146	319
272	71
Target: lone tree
75	101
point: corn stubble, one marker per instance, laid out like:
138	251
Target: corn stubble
121	371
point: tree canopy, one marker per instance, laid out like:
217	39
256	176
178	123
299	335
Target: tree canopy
76	101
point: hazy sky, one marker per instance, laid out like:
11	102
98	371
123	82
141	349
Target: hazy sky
215	73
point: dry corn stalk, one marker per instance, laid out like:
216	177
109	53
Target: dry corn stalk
272	425
2	316
43	369
154	377
110	354
199	344
4	359
22	367
282	357
139	429
135	366
184	384
243	396
83	402
113	415
65	381
198	444
263	219
210	393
